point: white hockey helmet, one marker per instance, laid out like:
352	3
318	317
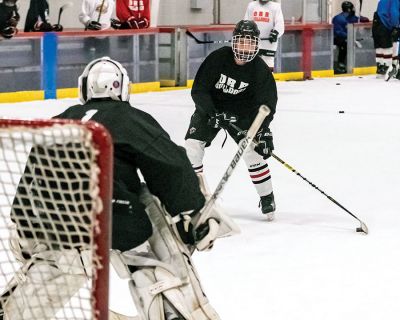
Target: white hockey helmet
104	78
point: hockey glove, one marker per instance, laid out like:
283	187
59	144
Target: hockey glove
57	27
8	32
93	25
116	24
273	36
221	120
43	26
265	144
395	34
13	21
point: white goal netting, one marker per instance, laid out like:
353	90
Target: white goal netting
53	231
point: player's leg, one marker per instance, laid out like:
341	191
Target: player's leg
261	177
269	58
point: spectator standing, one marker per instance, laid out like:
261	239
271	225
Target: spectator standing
132	14
9	18
96	14
269	19
37	18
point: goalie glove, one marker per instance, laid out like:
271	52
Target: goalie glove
265	144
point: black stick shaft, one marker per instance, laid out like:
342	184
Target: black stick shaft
309	182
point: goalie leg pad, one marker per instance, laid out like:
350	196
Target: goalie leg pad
44	285
227	227
187	295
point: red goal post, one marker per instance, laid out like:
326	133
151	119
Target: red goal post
55	219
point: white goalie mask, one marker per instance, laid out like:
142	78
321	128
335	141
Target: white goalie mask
245	40
104	78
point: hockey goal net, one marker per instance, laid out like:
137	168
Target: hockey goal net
55	198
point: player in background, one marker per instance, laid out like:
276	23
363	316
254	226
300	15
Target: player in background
340	22
385	31
132	14
269	19
96	14
229	87
9	18
37	18
155	218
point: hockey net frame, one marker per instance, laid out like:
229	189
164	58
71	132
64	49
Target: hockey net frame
100	143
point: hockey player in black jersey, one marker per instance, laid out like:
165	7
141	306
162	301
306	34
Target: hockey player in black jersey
229	87
9	18
37	18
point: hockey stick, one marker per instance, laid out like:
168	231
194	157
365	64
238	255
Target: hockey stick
101	11
62	8
198	41
244	144
363	227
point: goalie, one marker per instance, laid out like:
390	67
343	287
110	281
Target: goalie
155	218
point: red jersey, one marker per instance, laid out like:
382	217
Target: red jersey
135	9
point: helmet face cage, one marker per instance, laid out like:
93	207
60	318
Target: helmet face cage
245	47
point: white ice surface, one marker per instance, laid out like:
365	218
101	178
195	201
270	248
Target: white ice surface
309	264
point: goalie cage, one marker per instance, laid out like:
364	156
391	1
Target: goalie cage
56	189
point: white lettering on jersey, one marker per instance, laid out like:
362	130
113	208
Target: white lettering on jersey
227	85
136	5
89	114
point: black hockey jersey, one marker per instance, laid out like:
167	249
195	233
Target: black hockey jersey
6	13
140	143
222	85
38	11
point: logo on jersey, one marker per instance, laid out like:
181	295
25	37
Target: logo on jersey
261	16
136	5
229	85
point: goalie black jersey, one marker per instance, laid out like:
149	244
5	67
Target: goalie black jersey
140	143
222	85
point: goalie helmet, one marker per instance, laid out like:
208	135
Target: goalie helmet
245	40
104	78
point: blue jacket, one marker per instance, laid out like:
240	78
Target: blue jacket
389	13
340	22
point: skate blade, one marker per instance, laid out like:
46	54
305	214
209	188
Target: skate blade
270	216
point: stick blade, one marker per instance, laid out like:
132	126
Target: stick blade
363	228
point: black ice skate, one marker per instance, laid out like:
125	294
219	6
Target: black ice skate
267	204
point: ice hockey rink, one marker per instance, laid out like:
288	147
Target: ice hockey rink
308	264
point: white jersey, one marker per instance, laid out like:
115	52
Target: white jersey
91	11
268	16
